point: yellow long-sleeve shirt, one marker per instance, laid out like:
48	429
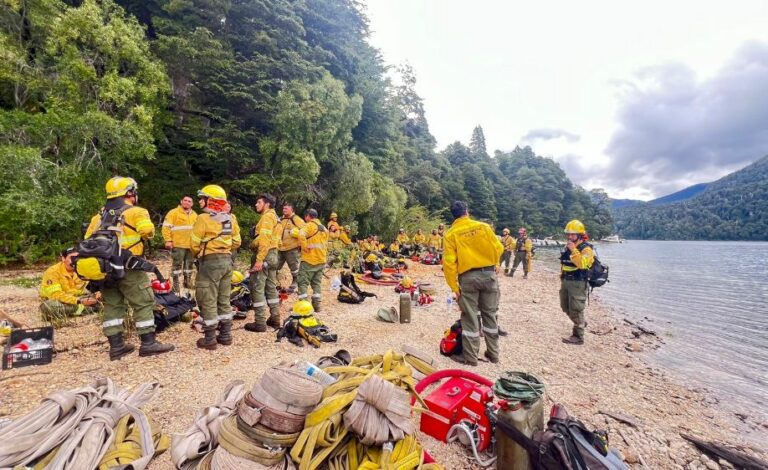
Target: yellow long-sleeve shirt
436	242
177	227
344	237
419	239
313	238
210	233
62	285
268	234
469	244
287	224
334	230
403	239
508	242
137	227
579	258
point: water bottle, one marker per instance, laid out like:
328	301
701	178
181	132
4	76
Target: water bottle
449	300
335	284
316	373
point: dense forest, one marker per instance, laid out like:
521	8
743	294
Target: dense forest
280	96
732	208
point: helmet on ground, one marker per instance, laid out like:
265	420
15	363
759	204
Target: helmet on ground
333	215
120	186
575	226
213	191
506	230
371	258
161	287
407	282
237	277
303	308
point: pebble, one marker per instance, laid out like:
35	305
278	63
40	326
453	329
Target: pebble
631	456
712	465
635	346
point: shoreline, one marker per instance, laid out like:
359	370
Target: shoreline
601	376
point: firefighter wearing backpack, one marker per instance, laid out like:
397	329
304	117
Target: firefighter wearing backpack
288	249
523	253
470	265
263	279
215	235
134	288
312	238
177	230
575	261
509	246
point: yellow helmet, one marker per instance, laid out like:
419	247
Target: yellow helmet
237	277
506	230
333	215
575	226
295	232
303	308
372	258
407	282
213	191
120	186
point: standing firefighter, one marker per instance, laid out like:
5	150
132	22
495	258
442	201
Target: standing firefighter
419	241
263	281
470	265
312	238
523	253
575	262
177	230
288	250
215	235
133	289
509	246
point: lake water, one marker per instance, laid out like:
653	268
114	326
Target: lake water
708	301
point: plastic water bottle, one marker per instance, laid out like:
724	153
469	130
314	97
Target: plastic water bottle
449	300
316	373
335	284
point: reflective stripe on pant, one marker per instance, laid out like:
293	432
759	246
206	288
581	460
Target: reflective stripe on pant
311	275
479	296
293	259
521	257
263	286
506	258
573	301
135	290
182	263
214	283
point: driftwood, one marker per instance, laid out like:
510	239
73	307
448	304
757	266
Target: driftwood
640	328
631	420
15	323
632	446
739	459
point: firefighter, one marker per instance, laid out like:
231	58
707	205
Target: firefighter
288	250
419	240
63	293
435	242
263	280
523	253
470	265
404	241
508	242
177	229
394	249
312	238
134	289
575	261
334	229
345	236
215	235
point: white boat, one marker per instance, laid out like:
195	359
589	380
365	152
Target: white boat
612	239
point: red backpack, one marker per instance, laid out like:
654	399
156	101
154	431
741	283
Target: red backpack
451	343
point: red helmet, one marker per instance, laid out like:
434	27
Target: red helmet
161	287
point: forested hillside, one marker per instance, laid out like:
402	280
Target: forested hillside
277	96
732	208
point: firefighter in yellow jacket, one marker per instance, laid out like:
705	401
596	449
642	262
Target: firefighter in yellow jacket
344	237
263	280
177	230
508	242
470	265
215	235
312	238
134	289
63	293
435	242
419	240
288	250
523	253
575	261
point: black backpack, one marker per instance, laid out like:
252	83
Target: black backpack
100	257
597	275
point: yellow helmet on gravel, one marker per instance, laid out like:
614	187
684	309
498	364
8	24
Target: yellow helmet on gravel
372	258
237	277
575	226
303	308
213	191
120	186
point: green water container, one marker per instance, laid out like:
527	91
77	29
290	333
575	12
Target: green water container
405	308
527	418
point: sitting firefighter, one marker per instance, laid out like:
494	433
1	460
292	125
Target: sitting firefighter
302	323
63	293
349	293
373	264
394	249
419	241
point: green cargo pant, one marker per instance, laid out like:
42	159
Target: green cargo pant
479	298
293	258
135	290
214	283
53	310
311	275
183	262
506	258
263	286
573	300
521	257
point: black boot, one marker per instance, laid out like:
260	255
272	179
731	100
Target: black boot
274	321
209	340
118	348
225	333
150	346
511	273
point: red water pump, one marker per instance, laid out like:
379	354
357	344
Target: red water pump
457	409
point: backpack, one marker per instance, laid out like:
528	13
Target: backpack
597	275
100	257
170	308
451	343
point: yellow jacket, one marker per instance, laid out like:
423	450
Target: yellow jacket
312	239
402	238
436	241
345	238
508	242
210	235
469	244
268	234
524	245
394	248
580	258
334	230
137	227
62	285
177	227
419	239
288	242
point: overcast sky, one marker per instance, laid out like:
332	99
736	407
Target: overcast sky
641	98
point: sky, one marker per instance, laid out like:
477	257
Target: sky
639	98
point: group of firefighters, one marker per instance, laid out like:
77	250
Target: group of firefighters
471	255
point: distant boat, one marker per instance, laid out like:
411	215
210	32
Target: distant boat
612	239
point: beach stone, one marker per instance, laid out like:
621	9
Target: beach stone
712	465
631	456
635	346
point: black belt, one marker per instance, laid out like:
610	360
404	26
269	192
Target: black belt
487	268
577	276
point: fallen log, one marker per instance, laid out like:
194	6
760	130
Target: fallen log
737	458
15	323
631	420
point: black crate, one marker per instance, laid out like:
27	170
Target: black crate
12	360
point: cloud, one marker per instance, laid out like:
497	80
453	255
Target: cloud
548	134
674	130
